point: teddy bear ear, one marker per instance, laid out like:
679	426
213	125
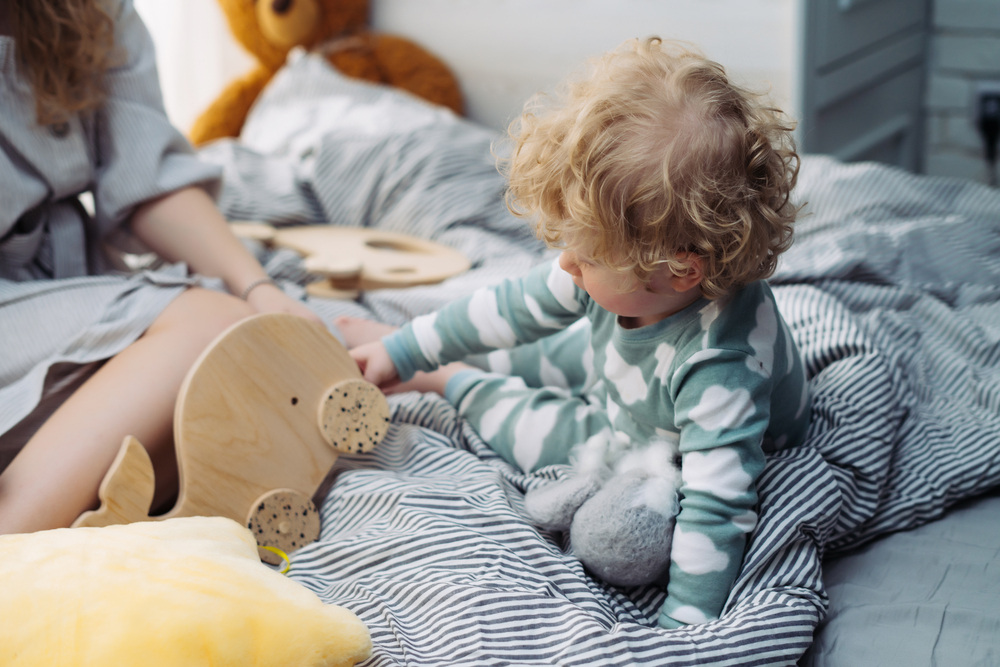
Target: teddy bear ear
553	505
242	18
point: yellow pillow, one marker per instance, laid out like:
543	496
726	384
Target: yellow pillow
182	592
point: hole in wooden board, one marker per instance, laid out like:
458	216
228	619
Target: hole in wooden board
383	244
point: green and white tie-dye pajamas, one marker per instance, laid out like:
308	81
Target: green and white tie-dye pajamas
723	376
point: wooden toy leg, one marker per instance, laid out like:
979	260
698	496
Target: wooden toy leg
285	519
127	490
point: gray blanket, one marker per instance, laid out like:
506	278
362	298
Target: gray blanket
891	291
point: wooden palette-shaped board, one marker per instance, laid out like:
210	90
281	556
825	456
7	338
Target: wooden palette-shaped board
360	258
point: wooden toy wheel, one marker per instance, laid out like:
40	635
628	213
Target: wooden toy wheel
285	519
353	416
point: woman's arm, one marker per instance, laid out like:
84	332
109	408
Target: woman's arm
186	226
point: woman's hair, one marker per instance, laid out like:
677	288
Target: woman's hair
63	49
657	153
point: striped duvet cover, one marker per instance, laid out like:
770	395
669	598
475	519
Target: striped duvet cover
892	291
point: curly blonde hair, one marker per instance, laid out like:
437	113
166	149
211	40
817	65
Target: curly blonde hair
63	49
654	155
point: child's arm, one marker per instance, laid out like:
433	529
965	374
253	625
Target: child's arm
722	409
512	313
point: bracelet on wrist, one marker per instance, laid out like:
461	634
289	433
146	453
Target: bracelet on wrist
257	283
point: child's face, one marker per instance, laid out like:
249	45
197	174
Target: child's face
636	304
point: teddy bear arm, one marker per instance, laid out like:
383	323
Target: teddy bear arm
226	115
357	64
553	505
406	65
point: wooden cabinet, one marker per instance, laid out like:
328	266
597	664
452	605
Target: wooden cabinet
862	71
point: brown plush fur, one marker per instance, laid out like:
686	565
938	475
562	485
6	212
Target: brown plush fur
340	34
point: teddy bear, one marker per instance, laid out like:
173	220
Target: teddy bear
269	29
619	505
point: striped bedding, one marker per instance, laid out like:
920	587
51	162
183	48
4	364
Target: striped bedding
892	291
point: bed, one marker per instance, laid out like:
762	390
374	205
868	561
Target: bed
878	540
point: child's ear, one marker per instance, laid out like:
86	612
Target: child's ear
693	277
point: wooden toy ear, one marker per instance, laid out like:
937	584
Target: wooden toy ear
353	416
126	493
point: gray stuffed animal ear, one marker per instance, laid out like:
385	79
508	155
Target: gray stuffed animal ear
624	531
553	506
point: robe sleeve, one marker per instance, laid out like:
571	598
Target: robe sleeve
140	155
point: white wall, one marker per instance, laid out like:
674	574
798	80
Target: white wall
503	51
195	53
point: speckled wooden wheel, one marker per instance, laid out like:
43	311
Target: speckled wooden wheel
353	416
285	519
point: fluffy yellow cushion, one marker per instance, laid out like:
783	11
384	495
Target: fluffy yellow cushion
179	592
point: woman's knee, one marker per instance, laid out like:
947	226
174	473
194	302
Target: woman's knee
201	313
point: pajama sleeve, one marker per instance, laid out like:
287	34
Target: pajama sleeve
722	410
514	312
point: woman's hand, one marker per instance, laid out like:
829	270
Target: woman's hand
376	365
186	226
269	298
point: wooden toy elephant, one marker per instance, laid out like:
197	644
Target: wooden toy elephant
259	422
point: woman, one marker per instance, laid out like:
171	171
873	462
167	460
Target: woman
91	353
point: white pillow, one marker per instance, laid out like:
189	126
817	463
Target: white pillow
181	592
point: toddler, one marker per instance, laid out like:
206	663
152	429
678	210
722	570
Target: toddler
667	189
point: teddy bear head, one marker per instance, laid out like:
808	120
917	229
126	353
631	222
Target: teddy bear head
269	29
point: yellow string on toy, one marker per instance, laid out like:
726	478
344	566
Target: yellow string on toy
283	555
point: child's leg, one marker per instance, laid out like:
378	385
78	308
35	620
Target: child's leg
530	428
56	476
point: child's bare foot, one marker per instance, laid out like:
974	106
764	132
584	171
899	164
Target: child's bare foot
358	331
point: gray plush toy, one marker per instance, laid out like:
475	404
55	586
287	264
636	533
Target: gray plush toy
619	507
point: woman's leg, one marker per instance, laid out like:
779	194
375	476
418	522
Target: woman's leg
57	474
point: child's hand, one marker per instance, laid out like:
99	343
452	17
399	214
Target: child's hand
376	365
